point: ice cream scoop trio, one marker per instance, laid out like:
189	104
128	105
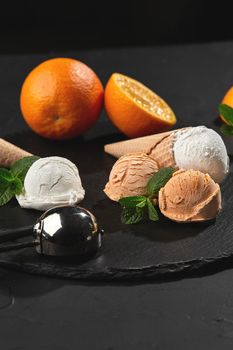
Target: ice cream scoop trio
199	156
198	148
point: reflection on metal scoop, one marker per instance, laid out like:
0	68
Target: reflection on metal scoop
62	231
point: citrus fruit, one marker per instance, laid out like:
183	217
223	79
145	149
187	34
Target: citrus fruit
61	98
134	109
227	100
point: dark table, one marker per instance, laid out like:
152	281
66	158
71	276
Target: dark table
185	313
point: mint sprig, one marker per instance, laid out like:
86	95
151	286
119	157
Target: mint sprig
137	208
227	113
131	215
152	212
6	184
11	180
158	180
133	201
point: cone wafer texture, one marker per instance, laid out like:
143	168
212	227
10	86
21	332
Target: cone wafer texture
141	144
10	153
162	152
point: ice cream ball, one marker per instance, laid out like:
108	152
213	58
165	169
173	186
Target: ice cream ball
129	176
201	148
49	182
190	195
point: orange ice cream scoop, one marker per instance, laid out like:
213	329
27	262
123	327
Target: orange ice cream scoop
130	175
190	195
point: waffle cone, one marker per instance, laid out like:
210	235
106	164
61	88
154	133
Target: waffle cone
141	144
10	153
162	152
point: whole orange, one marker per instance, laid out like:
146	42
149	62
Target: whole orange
61	98
227	100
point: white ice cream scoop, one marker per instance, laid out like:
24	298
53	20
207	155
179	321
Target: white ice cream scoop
202	149
49	182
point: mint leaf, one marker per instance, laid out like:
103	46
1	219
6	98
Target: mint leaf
152	212
141	204
132	215
159	180
5	174
16	186
133	201
227	113
20	167
6	181
133	209
227	130
11	181
5	195
9	186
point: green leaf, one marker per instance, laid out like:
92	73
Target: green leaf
227	130
5	189
227	113
7	180
5	194
133	201
132	215
6	174
152	212
16	186
141	204
20	167
11	181
159	180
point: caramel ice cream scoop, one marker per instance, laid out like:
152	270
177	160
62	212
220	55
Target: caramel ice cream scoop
130	175
190	195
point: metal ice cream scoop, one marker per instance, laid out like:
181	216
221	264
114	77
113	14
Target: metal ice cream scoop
61	231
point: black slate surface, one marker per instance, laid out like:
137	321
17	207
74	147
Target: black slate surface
193	88
129	251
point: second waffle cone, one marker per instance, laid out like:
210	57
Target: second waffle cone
158	146
10	153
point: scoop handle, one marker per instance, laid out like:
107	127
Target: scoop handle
12	234
16	246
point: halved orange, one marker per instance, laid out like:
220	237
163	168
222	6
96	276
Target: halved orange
134	109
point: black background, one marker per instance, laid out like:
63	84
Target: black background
32	26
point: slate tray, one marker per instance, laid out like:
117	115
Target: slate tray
145	250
